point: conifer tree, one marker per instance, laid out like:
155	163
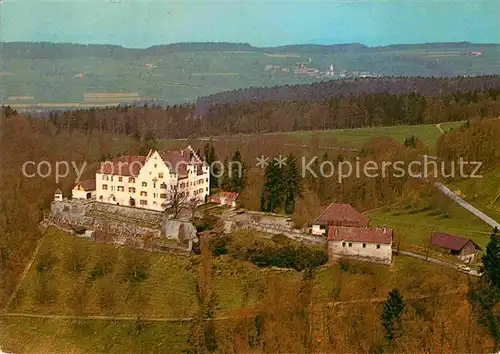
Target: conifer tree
391	315
225	182
491	260
292	183
237	173
210	158
273	193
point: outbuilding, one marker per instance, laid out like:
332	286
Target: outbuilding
362	243
465	249
84	190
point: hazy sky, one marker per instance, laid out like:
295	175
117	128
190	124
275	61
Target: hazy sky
140	23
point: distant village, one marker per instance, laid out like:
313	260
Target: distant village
302	69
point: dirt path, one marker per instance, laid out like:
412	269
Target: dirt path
438	126
26	270
250	314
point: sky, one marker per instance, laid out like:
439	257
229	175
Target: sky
140	24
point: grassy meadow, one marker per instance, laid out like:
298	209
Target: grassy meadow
355	138
169	290
483	193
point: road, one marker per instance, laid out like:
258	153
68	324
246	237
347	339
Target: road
436	261
445	190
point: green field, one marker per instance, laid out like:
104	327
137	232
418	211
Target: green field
428	133
483	193
418	222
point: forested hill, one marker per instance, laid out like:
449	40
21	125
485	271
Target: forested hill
321	91
47	50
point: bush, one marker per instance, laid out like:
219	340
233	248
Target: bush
219	245
298	257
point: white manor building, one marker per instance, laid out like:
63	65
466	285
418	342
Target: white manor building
153	181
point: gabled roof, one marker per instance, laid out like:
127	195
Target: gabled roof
360	234
58	191
341	215
231	196
123	166
176	160
88	185
451	242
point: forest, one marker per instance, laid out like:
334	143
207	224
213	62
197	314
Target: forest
321	91
460	99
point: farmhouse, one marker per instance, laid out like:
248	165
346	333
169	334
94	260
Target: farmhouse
465	249
339	215
155	181
363	243
225	198
84	190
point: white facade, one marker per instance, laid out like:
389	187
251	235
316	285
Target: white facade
152	182
318	230
58	196
79	193
374	252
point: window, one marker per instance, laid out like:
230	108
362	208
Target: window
112	188
160	175
163	186
206	189
143	202
104	177
350	244
343	244
156	165
131	190
364	245
105	186
200	190
144	184
163	205
120	188
155	195
378	246
120	179
144	194
195	192
131	180
163	196
206	180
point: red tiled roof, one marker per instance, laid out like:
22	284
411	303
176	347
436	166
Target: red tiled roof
123	166
214	199
341	215
88	185
231	196
360	234
448	241
176	160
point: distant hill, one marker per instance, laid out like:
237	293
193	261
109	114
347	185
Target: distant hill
62	75
47	50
